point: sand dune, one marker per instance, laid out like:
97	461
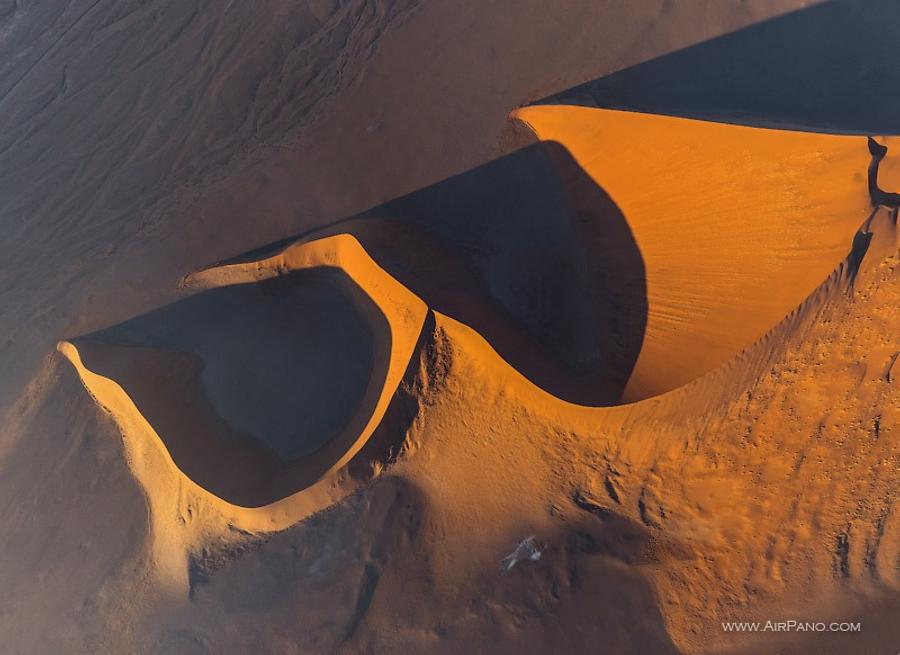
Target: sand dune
160	397
664	349
533	255
735	225
710	296
642	212
730	284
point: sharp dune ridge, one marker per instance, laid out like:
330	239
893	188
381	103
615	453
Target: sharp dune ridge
273	486
771	74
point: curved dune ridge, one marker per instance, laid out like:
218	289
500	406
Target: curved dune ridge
732	239
242	381
285	360
532	254
156	397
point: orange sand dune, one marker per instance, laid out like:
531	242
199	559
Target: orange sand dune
731	296
158	391
720	274
245	482
331	445
735	225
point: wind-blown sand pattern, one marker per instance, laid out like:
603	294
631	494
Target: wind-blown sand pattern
660	350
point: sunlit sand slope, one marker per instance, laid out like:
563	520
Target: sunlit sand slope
735	225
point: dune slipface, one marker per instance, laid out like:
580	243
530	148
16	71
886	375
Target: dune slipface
532	254
736	226
162	379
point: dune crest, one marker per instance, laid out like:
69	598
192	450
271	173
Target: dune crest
736	225
284	494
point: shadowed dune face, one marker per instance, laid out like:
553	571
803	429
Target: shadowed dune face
286	359
184	382
627	254
530	252
242	380
820	68
541	262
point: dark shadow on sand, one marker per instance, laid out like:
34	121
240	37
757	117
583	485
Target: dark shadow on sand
529	252
832	67
249	386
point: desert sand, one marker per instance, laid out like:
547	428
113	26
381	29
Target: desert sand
314	313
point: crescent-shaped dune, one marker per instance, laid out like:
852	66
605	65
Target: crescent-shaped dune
156	396
736	225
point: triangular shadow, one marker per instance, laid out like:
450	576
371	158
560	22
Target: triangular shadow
833	67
